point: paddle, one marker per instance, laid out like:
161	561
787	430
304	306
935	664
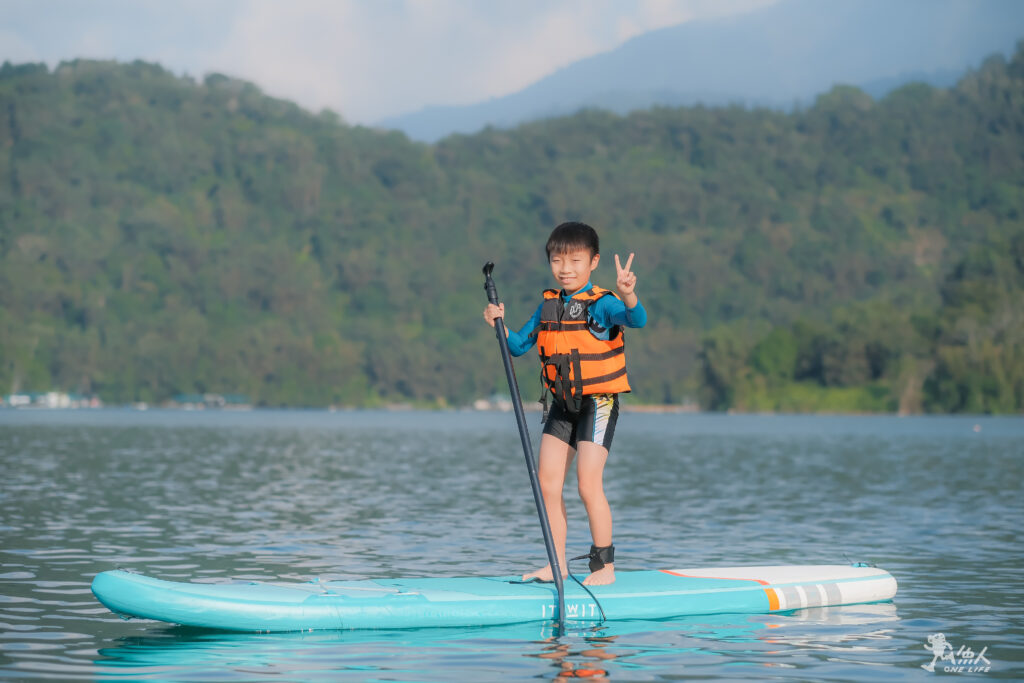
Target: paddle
524	436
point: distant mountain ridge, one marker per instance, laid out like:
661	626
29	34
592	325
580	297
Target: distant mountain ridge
777	56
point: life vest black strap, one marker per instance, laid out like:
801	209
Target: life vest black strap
605	378
568	392
552	326
604	355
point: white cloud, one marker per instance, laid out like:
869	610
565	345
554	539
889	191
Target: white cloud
366	59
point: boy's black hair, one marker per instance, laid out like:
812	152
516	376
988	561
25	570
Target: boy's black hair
572	235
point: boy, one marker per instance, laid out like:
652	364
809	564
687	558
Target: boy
578	331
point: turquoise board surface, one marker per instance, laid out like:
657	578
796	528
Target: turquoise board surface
427	602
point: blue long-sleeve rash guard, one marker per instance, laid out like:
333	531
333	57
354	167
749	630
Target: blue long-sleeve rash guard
607	312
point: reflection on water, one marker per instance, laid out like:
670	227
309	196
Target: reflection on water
296	495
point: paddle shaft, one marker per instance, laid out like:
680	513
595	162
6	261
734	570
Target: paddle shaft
524	436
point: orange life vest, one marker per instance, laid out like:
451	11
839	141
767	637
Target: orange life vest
574	362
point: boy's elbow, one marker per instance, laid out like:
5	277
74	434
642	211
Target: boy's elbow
516	347
637	319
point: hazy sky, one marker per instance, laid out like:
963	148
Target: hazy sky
365	59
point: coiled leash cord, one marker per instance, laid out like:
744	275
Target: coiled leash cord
598	557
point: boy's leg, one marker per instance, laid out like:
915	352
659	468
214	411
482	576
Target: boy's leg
595	431
555	459
590	473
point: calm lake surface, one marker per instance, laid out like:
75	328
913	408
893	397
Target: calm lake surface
293	495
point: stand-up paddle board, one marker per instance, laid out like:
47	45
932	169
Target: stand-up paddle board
416	603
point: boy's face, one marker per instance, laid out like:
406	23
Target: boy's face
572	269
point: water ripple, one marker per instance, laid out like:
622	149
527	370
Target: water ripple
290	495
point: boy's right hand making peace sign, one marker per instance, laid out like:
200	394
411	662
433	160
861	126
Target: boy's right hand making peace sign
625	281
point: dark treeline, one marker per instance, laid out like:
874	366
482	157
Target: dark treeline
161	236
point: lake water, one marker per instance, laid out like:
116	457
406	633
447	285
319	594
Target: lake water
283	495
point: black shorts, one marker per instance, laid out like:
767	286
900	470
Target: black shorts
595	421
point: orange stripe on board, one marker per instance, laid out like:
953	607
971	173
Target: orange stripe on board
773	599
723	578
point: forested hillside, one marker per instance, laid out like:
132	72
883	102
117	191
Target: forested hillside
162	236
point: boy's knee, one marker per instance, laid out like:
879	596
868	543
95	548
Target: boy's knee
551	487
591	492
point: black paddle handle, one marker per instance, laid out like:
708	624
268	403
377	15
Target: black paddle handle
524	436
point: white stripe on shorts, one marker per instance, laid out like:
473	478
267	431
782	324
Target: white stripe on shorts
602	412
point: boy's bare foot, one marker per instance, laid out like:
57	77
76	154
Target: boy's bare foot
602	577
543	575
